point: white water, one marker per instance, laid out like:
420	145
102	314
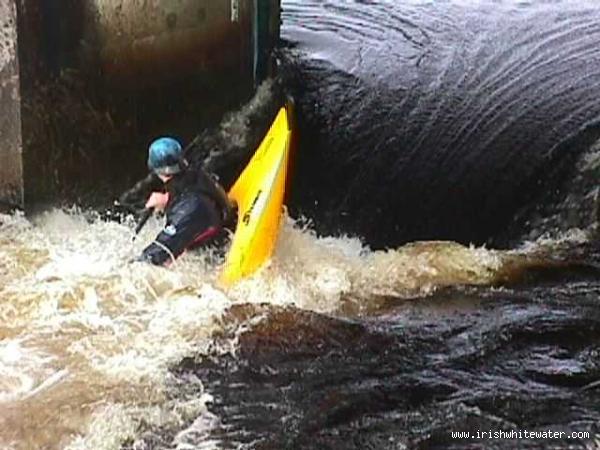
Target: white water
87	339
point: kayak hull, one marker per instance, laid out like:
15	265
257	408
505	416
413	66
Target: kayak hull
259	193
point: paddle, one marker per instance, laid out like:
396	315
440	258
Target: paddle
142	221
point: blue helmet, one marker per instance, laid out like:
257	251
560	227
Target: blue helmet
164	156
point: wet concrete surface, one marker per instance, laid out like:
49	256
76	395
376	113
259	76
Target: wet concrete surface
11	169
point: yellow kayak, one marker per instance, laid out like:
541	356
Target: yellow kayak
259	193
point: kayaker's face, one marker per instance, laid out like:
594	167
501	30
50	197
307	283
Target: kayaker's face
165	178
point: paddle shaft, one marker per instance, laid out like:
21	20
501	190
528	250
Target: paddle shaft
145	216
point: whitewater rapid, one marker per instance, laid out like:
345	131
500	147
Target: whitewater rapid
87	339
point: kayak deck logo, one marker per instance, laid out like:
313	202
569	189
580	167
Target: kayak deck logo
248	214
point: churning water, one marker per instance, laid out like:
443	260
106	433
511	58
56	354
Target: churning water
89	340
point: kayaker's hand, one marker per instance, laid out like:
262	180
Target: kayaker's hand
158	201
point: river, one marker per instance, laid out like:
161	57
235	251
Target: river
437	271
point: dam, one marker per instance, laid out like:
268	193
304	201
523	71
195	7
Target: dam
86	83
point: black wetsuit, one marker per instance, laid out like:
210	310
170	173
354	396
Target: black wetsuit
195	212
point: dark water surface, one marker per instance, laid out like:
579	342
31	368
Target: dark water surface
428	120
466	360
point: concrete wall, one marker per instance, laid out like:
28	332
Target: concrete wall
152	41
11	163
93	81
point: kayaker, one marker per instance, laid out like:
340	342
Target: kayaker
195	205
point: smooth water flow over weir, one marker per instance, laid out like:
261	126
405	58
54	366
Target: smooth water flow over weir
439	119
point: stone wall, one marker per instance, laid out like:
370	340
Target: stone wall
11	164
